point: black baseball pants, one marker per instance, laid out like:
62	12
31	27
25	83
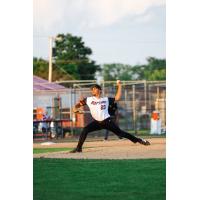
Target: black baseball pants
106	124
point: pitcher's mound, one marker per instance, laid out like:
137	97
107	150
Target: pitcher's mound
120	149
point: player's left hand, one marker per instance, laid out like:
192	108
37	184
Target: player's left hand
81	100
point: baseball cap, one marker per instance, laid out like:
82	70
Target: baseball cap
96	86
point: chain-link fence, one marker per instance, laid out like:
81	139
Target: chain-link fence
139	100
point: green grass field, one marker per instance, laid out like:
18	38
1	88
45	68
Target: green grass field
49	150
70	179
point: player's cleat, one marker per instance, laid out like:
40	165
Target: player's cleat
144	142
76	150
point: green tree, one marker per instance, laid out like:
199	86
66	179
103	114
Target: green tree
41	69
72	56
117	71
155	69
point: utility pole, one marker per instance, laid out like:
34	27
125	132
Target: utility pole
51	40
50	58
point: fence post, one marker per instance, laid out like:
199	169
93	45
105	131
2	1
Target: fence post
145	95
71	113
103	85
158	92
125	100
134	108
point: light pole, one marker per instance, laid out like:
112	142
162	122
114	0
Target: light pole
51	40
50	58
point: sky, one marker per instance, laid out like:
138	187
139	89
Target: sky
117	31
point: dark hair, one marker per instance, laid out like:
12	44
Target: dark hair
96	86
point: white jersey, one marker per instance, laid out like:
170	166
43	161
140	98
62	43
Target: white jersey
98	107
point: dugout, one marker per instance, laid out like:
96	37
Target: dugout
57	101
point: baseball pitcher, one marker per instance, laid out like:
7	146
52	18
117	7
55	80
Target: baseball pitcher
98	106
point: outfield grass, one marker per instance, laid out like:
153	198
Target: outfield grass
49	150
70	179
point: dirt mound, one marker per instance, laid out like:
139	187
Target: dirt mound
118	149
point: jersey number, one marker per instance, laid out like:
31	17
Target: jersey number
103	107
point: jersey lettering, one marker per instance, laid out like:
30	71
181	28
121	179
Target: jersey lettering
98	107
98	103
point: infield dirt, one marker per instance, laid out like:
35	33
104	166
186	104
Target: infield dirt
113	149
